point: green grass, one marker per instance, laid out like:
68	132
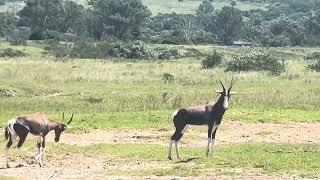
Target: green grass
85	122
298	159
7	178
264	133
126	94
190	6
234	159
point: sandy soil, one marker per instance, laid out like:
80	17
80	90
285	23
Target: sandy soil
79	166
228	132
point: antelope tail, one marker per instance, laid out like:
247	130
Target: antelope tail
6	133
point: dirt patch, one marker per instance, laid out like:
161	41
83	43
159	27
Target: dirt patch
81	166
228	132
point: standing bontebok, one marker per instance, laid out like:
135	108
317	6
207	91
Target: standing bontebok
207	114
37	124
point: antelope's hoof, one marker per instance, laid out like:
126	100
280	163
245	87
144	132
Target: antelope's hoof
8	166
181	159
19	165
170	158
210	155
30	161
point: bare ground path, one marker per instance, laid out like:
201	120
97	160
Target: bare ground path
228	132
80	166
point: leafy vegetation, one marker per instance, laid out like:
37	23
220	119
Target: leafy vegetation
278	24
168	53
211	60
255	61
315	66
8	52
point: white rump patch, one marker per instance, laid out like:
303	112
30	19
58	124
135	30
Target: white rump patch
12	121
175	113
10	124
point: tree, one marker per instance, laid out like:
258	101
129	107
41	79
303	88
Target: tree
205	7
121	17
72	17
205	15
2	24
56	15
40	16
233	3
228	24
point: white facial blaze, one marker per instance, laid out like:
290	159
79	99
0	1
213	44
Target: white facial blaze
226	102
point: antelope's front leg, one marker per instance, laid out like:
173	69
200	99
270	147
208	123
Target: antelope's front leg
213	137
208	151
41	146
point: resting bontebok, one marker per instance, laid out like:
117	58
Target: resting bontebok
207	114
37	124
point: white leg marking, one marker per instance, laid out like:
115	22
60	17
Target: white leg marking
177	149
38	156
212	143
184	129
7	157
208	146
170	149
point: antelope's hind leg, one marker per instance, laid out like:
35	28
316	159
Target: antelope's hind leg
9	144
175	138
22	132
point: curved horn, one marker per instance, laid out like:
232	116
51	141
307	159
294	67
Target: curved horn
62	116
70	119
232	82
224	89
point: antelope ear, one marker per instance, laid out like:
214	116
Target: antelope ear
232	93
219	92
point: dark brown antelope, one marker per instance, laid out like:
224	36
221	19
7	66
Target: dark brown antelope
37	124
207	114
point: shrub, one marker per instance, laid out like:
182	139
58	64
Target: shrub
11	53
315	55
256	61
169	54
193	52
132	50
211	60
168	78
315	66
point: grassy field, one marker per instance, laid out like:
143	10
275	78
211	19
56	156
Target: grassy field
114	93
190	6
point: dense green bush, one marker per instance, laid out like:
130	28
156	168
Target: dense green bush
255	61
11	53
132	50
315	66
169	54
315	55
211	60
